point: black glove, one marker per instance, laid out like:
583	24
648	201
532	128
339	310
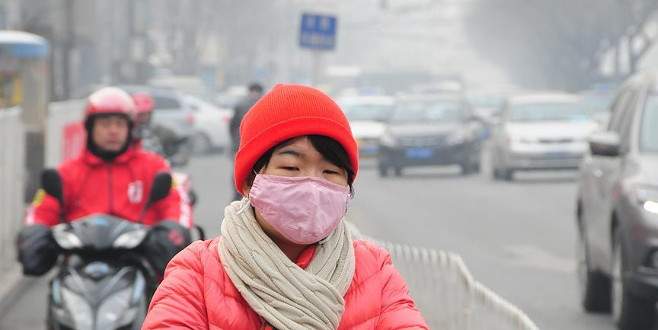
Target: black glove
164	241
37	250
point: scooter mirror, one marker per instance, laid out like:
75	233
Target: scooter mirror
51	183
160	188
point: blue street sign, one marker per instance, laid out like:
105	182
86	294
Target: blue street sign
318	32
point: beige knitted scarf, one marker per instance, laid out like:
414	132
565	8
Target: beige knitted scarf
285	295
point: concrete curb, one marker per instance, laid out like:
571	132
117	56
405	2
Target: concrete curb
12	284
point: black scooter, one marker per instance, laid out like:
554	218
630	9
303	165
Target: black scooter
102	281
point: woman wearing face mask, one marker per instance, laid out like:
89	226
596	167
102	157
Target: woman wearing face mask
285	258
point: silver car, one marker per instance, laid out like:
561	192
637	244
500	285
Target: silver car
617	210
539	132
368	116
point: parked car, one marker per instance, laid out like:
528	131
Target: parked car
171	121
210	123
229	97
169	109
430	130
545	131
617	210
368	116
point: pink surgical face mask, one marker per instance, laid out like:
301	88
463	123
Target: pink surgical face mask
305	210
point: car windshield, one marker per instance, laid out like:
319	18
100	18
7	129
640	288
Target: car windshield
649	127
485	101
376	112
549	111
433	111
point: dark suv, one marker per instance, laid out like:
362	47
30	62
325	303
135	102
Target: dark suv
431	130
617	210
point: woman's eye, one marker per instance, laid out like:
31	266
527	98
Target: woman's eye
289	168
331	172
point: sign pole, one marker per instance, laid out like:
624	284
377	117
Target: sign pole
317	67
318	34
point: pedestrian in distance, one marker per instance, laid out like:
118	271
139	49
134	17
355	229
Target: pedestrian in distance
254	93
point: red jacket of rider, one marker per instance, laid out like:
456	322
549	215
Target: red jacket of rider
120	188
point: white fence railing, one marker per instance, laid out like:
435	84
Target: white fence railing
12	182
449	297
447	294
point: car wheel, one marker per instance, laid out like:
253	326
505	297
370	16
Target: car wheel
594	286
383	170
495	174
628	311
467	169
201	144
477	167
507	174
493	165
398	171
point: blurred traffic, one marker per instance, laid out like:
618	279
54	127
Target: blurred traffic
495	132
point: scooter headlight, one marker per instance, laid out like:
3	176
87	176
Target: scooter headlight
65	239
130	240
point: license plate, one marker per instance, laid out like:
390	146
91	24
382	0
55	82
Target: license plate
419	153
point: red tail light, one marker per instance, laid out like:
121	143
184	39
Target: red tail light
190	119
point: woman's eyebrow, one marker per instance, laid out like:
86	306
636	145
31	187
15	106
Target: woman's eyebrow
290	151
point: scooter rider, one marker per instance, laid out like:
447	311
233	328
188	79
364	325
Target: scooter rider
112	176
143	133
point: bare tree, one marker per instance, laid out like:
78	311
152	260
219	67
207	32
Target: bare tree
561	43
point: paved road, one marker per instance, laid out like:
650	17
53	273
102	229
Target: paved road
517	238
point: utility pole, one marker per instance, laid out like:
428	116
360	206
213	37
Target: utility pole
68	44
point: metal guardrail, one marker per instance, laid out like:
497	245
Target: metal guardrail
447	294
12	182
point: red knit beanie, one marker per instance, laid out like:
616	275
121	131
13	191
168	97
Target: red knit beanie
286	112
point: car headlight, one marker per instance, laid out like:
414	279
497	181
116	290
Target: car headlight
388	139
130	240
647	197
457	137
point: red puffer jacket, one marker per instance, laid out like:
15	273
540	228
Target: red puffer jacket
197	294
120	188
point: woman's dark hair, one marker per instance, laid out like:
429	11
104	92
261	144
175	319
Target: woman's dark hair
329	148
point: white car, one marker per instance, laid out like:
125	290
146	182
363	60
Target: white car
540	132
368	116
211	125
